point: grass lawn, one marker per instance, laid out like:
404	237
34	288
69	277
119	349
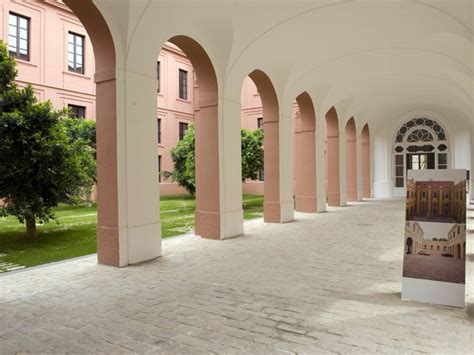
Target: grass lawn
74	235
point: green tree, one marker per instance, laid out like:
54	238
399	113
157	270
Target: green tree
252	153
183	156
41	165
83	129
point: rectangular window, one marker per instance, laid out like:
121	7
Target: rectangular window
75	53
442	161
438	247
419	161
399	175
158	75
183	127
77	111
18	36
446	208
260	122
159	130
261	174
159	168
183	84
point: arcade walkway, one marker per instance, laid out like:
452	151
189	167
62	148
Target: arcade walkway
326	283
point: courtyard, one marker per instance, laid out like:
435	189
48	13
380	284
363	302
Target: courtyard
326	283
74	232
434	267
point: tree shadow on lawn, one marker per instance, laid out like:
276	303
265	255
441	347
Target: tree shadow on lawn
73	235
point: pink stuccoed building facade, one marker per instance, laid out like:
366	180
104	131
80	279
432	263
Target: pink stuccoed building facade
54	53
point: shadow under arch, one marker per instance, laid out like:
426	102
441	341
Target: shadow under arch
365	162
206	121
271	127
332	158
108	246
305	157
351	160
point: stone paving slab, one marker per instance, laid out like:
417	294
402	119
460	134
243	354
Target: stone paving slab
326	283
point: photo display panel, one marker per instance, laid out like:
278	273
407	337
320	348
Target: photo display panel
434	262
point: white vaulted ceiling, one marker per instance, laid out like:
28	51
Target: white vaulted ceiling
372	59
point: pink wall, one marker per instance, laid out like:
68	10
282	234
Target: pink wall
171	109
47	70
50	22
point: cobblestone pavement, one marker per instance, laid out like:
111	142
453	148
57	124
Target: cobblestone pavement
434	267
327	283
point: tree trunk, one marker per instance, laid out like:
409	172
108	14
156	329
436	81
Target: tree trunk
31	227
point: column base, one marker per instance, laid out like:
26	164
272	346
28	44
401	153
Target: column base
208	224
271	212
382	189
232	224
334	199
144	242
352	196
278	212
287	211
108	249
322	204
306	204
125	246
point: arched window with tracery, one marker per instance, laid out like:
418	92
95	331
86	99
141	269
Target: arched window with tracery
421	143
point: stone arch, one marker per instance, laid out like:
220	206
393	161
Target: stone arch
458	251
351	160
365	162
207	214
305	157
332	158
271	117
108	244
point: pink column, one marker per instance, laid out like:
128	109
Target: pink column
332	158
305	158
271	188
271	128
207	214
351	161
108	248
365	162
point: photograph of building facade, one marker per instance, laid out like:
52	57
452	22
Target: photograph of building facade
437	201
435	251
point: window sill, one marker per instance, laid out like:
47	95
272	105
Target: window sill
183	100
25	62
77	74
